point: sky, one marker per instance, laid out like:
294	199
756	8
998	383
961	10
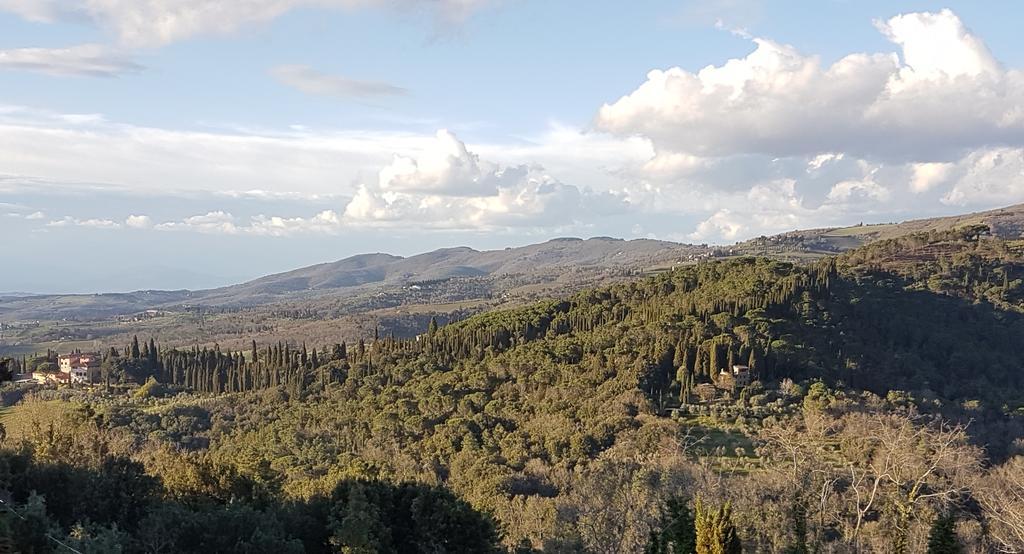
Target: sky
166	144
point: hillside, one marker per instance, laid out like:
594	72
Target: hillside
801	245
448	263
348	299
579	422
366	275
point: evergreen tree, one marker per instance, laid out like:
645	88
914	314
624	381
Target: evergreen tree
942	538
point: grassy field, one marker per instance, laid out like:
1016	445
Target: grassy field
20	419
858	230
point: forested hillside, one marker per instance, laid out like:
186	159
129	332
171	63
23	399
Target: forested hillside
885	412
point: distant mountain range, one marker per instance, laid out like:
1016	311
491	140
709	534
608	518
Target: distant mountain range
368	274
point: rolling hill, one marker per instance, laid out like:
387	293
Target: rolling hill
556	266
799	245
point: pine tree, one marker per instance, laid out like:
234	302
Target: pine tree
715	532
942	538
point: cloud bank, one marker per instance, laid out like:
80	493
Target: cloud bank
760	144
151	23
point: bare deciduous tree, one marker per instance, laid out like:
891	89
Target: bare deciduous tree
1001	494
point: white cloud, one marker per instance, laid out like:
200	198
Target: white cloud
159	22
858	191
765	208
311	81
326	221
68	221
77	148
138	221
927	176
937	46
822	160
221	222
723	224
90	60
449	187
766	143
446	167
946	94
36	215
433	178
776	140
211	222
988	177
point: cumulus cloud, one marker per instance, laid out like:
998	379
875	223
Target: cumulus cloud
446	167
723	224
311	81
944	94
36	215
927	176
90	60
138	221
939	122
445	187
448	186
159	22
988	177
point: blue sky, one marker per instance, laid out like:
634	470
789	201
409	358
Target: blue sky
208	143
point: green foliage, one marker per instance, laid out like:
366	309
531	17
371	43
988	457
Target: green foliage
108	504
374	517
546	416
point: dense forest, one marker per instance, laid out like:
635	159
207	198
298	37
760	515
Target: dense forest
884	415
